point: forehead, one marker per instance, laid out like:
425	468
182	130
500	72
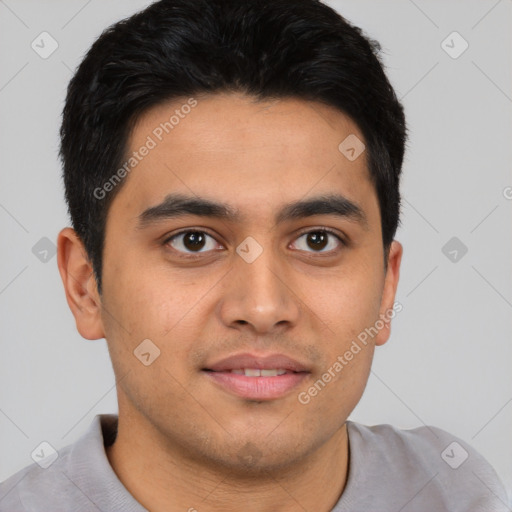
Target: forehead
234	122
247	153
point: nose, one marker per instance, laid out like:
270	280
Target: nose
259	296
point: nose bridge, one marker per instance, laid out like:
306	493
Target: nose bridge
257	293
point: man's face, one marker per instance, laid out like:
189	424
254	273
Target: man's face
250	288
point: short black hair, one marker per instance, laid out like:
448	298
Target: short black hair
177	48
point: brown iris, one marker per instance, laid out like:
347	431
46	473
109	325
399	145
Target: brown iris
194	240
317	240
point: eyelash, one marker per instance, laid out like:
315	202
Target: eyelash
192	255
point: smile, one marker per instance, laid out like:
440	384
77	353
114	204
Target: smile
256	372
257	376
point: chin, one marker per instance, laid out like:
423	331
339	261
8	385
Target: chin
257	455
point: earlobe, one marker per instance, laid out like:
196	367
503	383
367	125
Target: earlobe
387	309
79	284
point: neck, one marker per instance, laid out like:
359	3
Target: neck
162	479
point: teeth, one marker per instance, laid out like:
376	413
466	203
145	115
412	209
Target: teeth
272	373
256	372
249	372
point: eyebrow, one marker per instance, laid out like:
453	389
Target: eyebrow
179	205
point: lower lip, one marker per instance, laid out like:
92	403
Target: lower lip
257	388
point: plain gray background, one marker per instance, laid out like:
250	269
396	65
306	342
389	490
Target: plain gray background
449	357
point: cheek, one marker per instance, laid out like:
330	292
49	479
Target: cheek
144	308
144	298
329	401
153	304
350	302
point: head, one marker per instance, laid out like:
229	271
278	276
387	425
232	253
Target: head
232	175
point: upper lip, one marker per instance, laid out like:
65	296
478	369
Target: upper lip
267	362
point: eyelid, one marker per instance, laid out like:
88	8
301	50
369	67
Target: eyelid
169	238
181	231
323	229
303	231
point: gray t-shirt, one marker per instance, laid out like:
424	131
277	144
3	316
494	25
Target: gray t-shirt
423	469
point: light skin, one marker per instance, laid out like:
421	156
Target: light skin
183	442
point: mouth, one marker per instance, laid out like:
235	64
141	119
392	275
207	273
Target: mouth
260	372
256	377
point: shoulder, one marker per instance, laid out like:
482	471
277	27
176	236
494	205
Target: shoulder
426	440
78	474
33	483
443	469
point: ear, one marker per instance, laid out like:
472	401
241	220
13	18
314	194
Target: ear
79	284
387	311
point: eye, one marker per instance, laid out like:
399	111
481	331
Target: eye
192	241
318	240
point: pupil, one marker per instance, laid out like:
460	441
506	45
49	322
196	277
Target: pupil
317	240
194	240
